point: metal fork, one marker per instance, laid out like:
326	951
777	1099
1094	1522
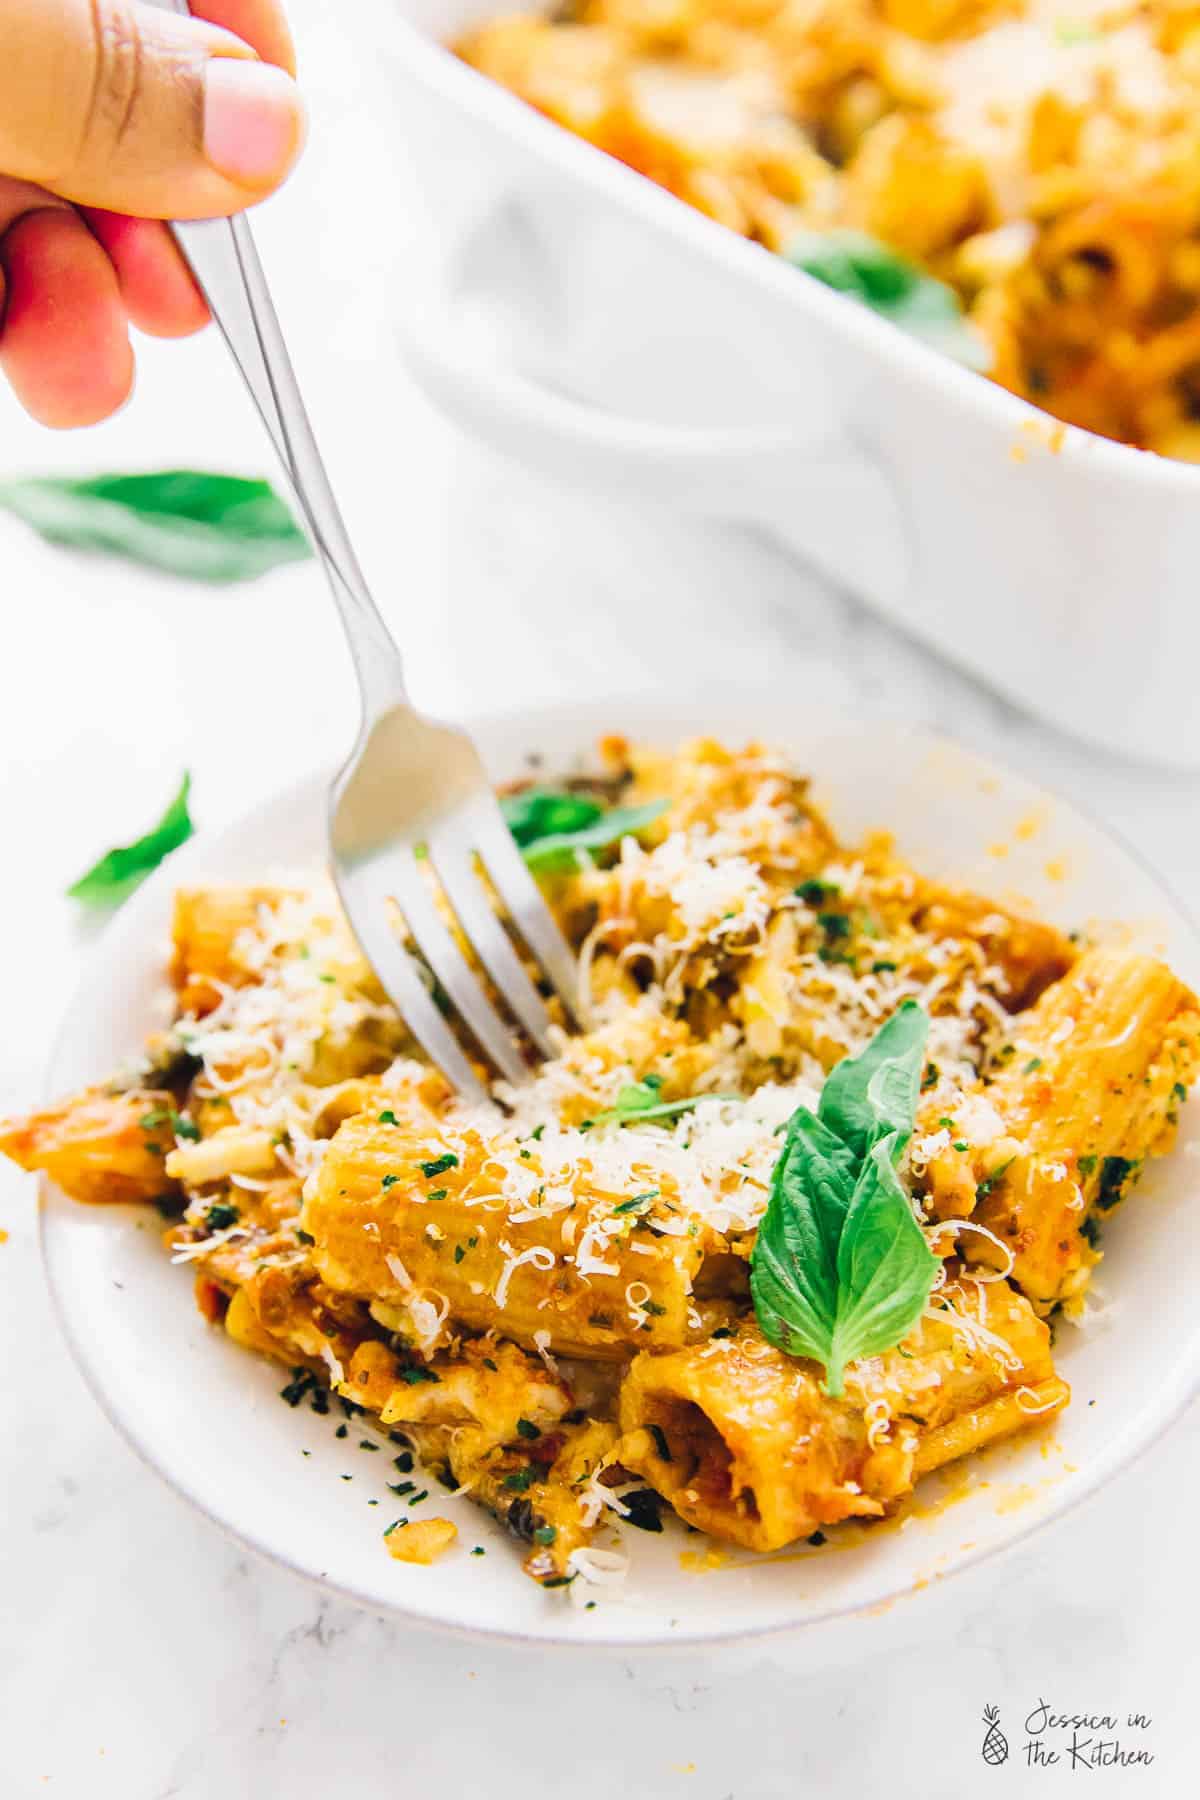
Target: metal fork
414	790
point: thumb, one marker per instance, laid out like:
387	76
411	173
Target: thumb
116	104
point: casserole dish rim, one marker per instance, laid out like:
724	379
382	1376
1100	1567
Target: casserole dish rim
901	354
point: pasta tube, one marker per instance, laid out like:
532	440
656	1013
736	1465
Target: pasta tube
401	1220
1090	1088
743	1441
98	1145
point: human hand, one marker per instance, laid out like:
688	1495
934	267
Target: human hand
113	116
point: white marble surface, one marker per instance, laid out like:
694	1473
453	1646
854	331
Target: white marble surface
141	1655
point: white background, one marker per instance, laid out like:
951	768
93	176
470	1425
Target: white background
141	1656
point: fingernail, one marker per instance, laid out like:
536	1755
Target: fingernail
253	120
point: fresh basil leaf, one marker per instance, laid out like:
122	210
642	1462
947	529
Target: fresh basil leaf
561	849
840	1268
644	1115
793	1268
203	527
117	873
866	270
543	812
639	1101
639	1095
885	1268
870	1096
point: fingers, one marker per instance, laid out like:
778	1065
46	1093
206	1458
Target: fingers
156	285
261	23
154	114
65	345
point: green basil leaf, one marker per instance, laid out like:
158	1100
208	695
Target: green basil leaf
870	1096
885	1268
543	812
866	270
561	849
117	873
203	527
793	1268
630	1109
840	1268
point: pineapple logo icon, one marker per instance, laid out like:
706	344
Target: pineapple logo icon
995	1744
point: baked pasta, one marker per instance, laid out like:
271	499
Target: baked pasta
1040	157
589	1298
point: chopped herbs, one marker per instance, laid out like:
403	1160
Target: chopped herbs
660	1442
221	1214
638	1202
519	1480
182	1127
545	1534
815	893
303	1382
413	1376
394	1526
389	1181
1089	1231
304	1237
816	1539
437	1193
459	1253
439	1165
1115	1172
527	1429
1032	1066
479	1550
403	1462
1087	1166
643	1509
984	1187
558	1581
388	1117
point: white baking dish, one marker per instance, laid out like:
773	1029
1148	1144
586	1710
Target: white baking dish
578	318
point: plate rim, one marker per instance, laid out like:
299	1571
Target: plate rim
1139	1436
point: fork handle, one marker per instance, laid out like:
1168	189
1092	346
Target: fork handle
222	256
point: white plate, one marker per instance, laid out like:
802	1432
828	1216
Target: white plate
208	1417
